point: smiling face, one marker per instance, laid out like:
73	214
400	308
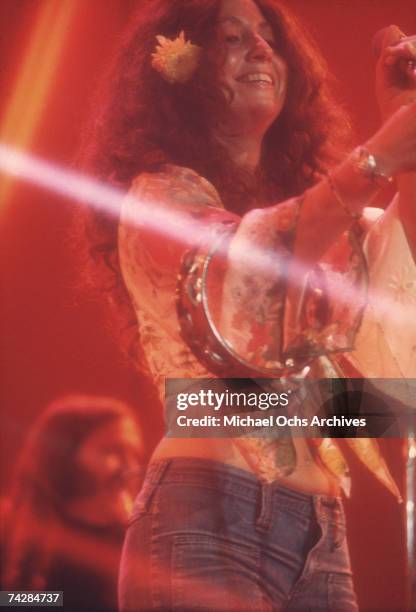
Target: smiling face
252	75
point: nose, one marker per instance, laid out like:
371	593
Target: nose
259	50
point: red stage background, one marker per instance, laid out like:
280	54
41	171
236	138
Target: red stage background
53	339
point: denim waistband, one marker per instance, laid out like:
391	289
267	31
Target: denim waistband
228	479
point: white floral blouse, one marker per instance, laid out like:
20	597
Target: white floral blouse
169	212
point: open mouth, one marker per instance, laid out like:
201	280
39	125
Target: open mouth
256	77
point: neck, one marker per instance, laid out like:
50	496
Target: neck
243	149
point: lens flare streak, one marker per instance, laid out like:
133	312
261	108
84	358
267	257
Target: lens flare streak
160	220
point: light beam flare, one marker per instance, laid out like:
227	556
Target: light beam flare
165	223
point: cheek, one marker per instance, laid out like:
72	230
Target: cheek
95	462
227	72
282	74
226	89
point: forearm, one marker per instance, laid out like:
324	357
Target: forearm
323	217
407	207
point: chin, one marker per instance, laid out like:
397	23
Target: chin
263	115
259	108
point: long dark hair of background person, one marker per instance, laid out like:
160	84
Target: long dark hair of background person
46	545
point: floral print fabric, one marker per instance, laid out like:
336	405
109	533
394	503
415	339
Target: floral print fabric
169	212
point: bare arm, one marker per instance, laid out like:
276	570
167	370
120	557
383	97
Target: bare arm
396	87
320	224
323	219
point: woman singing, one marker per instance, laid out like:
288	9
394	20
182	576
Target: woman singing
220	121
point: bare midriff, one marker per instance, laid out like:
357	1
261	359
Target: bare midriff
309	476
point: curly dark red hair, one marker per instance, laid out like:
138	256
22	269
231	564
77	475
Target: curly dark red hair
144	122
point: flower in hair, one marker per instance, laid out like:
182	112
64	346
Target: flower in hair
176	60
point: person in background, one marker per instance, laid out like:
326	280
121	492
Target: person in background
71	495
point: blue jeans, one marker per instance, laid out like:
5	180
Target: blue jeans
208	536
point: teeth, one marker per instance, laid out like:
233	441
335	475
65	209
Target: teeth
259	77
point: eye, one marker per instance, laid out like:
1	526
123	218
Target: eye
233	39
271	42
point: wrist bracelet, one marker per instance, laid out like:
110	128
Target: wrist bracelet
366	164
354	215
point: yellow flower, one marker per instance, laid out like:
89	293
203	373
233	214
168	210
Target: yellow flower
176	60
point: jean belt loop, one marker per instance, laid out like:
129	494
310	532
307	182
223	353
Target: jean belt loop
317	504
335	535
264	518
336	517
155	474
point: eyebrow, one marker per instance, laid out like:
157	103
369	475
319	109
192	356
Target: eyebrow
262	24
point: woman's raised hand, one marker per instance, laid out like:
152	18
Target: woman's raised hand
396	71
394	145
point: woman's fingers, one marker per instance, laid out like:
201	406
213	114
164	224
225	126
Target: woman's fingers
394	77
405	48
391	36
402	59
398	59
395	143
